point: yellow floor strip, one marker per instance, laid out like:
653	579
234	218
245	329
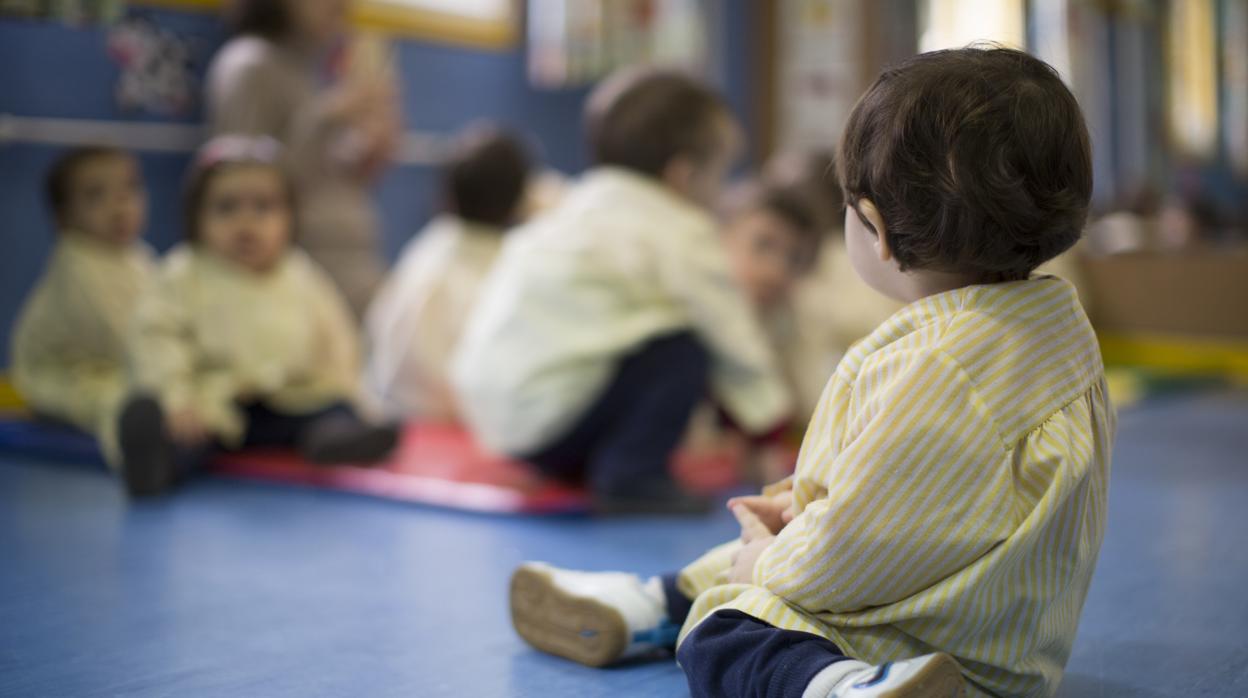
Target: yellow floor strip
1184	356
9	399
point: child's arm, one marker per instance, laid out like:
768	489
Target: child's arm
744	376
337	334
163	362
921	490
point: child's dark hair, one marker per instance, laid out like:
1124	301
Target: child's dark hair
60	178
486	174
221	153
642	118
977	160
794	206
267	18
814	173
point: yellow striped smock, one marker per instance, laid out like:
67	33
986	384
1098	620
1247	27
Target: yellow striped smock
951	492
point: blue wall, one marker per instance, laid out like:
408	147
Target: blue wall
50	70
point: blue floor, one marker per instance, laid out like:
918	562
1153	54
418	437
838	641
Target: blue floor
233	589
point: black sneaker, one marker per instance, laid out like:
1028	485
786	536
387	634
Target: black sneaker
655	496
341	439
147	462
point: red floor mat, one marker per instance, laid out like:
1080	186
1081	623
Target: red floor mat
436	465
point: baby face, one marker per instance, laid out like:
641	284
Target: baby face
767	255
106	200
245	216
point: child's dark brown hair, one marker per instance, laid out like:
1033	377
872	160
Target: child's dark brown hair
977	160
642	118
59	181
219	154
486	174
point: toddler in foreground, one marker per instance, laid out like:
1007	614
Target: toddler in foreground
949	503
241	341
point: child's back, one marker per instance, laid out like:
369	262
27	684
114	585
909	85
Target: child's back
419	315
981	539
618	261
605	319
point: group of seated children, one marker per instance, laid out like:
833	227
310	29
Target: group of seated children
581	346
234	339
948	506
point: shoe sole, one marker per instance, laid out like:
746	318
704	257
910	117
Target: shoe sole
556	622
939	678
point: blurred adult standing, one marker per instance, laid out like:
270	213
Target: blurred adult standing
291	72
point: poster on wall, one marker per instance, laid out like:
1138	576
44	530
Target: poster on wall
818	49
575	42
1235	84
156	68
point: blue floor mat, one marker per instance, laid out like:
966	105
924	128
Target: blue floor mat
236	589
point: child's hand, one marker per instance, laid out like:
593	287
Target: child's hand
186	428
774	512
755	536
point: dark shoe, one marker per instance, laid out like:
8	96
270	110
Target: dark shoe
147	461
340	439
660	496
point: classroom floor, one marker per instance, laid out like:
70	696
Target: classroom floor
238	589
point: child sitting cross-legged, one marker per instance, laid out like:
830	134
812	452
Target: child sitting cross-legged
242	340
941	530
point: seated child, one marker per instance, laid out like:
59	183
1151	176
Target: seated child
418	316
837	307
241	340
608	318
773	235
949	501
69	361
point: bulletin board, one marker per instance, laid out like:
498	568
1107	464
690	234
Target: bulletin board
489	24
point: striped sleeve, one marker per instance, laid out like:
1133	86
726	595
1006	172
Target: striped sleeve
913	495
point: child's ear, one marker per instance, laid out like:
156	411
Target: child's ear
872	215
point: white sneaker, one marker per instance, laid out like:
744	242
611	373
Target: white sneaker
595	618
930	676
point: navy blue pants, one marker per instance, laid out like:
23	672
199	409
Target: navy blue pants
266	428
631	430
734	654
